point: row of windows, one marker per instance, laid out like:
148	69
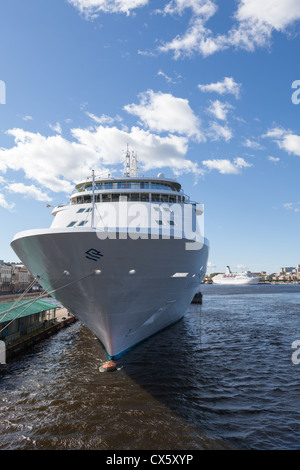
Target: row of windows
82	223
131	185
143	197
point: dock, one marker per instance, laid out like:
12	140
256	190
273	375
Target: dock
63	319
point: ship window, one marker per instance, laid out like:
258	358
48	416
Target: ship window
71	224
171	222
82	223
80	210
160	186
144	197
88	210
159	222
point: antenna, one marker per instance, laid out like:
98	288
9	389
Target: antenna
133	164
127	164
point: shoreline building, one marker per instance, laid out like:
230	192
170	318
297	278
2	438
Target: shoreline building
6	276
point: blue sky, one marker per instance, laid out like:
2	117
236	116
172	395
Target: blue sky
200	89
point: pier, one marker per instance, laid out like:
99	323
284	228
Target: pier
23	326
21	346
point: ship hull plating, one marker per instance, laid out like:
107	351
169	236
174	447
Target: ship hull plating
123	290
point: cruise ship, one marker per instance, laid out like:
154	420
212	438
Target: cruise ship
229	278
125	255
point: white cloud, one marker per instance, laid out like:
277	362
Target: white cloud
26	118
46	159
216	132
225	166
276	132
28	191
4	204
292	206
92	8
273	159
163	112
254	24
153	150
204	8
227	86
104	119
219	109
252	144
56	127
285	140
196	39
169	79
277	14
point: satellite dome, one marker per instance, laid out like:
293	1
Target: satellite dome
160	175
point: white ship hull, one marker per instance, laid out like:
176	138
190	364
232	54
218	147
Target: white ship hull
130	291
236	281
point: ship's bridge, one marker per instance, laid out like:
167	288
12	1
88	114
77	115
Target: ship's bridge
143	189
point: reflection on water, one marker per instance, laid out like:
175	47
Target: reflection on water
220	378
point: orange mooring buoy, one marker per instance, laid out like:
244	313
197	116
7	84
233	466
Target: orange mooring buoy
108	366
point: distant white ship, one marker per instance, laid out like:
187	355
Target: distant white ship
235	278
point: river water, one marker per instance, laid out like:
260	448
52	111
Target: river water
221	378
